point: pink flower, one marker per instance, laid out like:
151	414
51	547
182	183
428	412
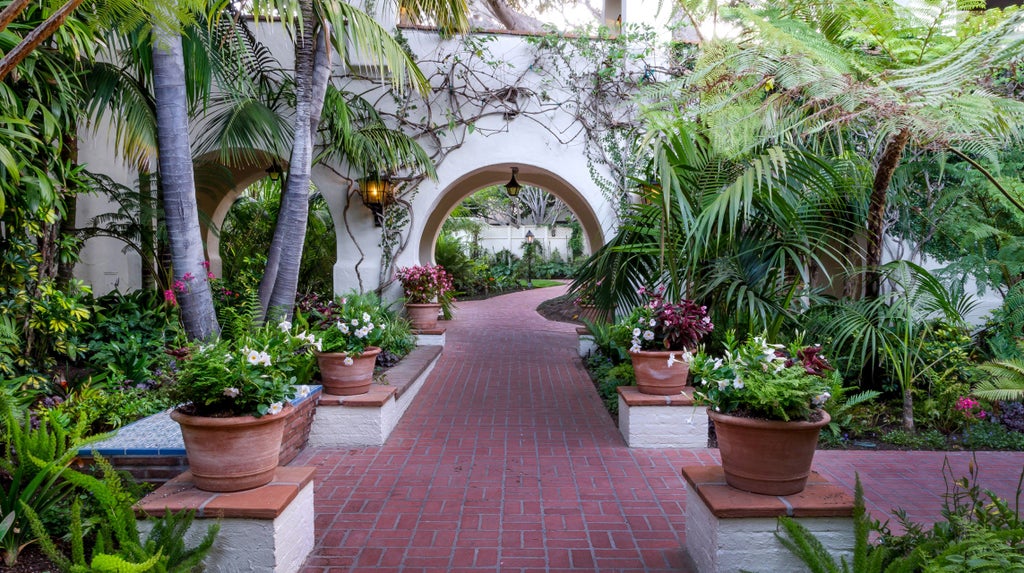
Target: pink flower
188	276
169	297
179	286
206	265
210	276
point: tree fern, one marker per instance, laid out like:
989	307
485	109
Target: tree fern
1006	383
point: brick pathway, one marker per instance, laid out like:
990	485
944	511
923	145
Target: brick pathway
507	461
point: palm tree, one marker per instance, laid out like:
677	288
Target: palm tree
318	27
178	183
745	236
813	68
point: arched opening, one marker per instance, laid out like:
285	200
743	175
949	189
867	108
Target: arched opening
499	174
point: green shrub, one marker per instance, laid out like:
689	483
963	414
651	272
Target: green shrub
992	436
117	543
32	469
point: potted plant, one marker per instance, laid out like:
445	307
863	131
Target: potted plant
428	289
233	395
661	337
766	404
349	334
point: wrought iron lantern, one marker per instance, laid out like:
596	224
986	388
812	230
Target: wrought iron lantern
377	192
274	171
513	186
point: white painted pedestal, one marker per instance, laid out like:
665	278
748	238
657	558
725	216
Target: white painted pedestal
268	529
649	421
728	530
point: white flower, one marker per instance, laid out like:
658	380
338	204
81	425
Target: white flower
275	408
355	322
366	317
349	361
362	332
671	360
318	345
653	323
343	328
636	332
264	359
648	335
369	326
780	367
706	320
284	325
227	357
301	391
635	347
820	400
231	392
252	356
686	357
737	383
723	384
716	364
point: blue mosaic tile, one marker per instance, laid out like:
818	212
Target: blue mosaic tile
156	435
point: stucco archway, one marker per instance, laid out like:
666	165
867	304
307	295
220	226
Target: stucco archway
498	174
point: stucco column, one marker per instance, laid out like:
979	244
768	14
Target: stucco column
358	252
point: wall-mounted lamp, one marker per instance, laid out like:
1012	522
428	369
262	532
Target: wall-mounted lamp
377	192
513	186
274	171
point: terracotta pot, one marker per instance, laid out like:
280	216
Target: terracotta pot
423	316
347	380
766	456
235	453
655	376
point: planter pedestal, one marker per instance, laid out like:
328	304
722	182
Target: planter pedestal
269	528
729	530
648	421
368	419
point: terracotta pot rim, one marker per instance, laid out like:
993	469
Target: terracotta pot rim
368	351
229	421
763	423
664	353
422	304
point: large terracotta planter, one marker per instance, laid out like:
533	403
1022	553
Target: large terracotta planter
347	380
655	376
766	456
232	454
423	316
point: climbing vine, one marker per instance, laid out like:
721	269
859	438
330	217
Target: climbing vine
585	87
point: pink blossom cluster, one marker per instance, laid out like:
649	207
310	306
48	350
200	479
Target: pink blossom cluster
425	283
970	408
181	285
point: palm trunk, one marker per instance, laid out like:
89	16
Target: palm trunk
908	411
147	232
179	193
887	165
281	277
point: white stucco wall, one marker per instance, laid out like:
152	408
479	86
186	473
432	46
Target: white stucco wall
543	141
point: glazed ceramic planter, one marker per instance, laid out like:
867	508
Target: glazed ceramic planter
234	453
768	457
655	376
423	316
343	379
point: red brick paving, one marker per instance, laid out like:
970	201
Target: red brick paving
507	461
